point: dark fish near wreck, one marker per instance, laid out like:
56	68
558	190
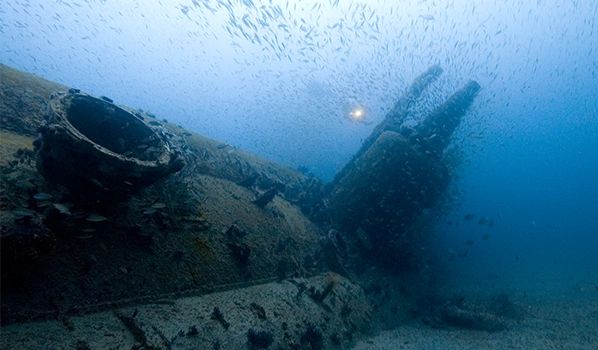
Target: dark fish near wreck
62	209
41	196
150	211
94	217
23	212
43	204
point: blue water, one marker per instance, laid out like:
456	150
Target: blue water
279	78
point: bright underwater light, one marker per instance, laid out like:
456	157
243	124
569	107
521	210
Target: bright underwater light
357	114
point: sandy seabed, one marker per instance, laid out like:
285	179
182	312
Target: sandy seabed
563	323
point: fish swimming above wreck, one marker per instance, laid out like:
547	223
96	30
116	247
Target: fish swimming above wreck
268	174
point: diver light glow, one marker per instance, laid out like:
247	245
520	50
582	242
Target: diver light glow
357	114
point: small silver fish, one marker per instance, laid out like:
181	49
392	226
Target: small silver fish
159	205
23	212
41	196
94	217
63	209
149	211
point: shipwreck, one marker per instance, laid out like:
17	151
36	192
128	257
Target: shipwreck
121	230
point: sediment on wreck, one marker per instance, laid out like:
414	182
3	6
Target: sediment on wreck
288	315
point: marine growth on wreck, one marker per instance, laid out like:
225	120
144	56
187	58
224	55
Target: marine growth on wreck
281	175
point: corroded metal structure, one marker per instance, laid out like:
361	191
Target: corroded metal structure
90	144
